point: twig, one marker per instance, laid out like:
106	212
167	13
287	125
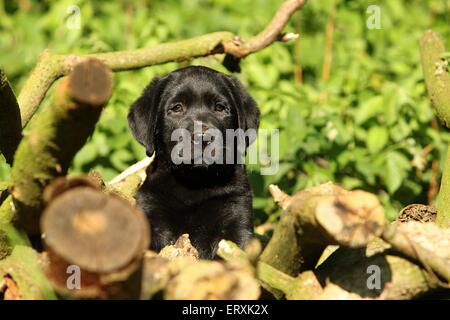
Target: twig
280	198
328	57
128	182
240	48
137	168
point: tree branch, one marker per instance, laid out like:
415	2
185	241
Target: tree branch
317	217
128	182
443	205
51	66
240	48
350	270
342	276
54	138
437	78
328	214
423	242
22	275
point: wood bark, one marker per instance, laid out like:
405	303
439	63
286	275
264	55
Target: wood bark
176	273
54	138
21	276
87	224
317	217
412	259
437	78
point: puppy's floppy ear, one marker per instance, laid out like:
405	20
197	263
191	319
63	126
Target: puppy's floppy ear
143	115
247	111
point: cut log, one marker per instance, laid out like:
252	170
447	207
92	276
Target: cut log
212	280
102	237
328	214
345	275
176	273
426	243
393	277
317	217
156	274
54	138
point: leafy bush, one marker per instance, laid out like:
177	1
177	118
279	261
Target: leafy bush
368	126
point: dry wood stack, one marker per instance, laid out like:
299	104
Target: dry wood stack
322	248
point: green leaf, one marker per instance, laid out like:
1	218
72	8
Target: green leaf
86	155
259	203
397	166
369	109
377	139
264	76
120	159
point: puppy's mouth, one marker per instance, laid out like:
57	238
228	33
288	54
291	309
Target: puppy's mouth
207	143
203	139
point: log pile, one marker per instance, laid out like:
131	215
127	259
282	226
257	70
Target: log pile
81	238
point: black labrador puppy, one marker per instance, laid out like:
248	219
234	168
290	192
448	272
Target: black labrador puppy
209	200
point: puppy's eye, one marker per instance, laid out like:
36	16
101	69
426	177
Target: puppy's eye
177	107
219	107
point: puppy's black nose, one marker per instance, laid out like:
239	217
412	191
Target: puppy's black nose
208	137
198	137
203	138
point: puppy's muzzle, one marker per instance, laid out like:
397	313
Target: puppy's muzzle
203	138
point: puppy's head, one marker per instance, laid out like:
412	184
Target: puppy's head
195	103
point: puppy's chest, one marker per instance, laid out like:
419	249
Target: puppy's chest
196	209
167	192
199	211
204	211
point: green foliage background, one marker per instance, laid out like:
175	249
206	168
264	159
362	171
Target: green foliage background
372	131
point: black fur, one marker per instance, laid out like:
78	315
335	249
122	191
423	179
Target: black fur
209	202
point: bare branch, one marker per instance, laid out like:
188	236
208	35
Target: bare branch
240	48
136	169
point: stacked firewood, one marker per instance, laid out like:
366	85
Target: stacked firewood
82	238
